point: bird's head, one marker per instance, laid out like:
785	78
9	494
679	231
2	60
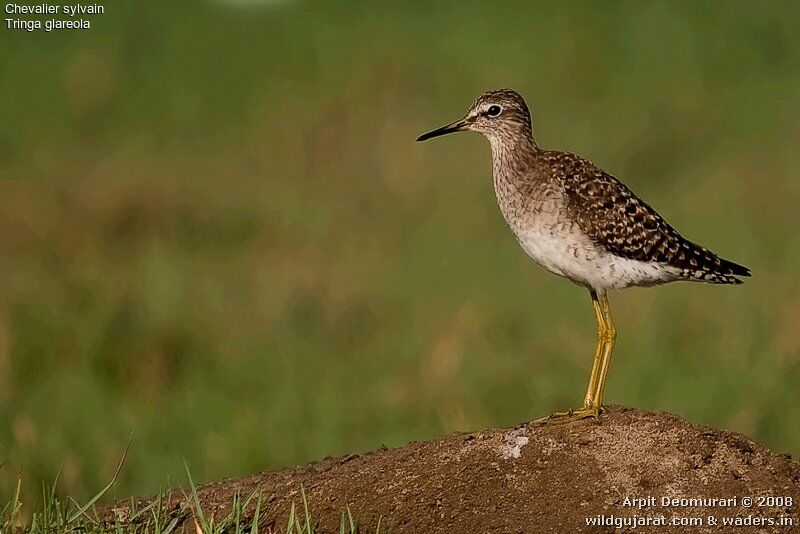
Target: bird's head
499	115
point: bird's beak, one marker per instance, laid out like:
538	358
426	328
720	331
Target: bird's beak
457	126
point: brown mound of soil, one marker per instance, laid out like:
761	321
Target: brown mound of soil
540	480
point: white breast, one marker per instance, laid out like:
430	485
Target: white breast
552	239
564	251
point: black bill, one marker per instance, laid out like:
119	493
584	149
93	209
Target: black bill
450	128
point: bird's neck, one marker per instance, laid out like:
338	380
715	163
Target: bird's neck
512	154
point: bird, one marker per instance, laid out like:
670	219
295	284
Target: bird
580	222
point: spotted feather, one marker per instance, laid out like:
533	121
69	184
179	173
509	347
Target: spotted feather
625	225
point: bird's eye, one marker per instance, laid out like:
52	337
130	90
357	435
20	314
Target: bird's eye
494	111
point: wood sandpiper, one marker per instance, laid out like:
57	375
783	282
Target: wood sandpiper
579	222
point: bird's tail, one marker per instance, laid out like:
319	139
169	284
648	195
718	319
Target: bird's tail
698	264
716	270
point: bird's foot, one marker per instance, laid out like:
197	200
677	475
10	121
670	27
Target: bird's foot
559	418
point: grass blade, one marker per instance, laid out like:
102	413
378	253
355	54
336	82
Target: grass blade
81	511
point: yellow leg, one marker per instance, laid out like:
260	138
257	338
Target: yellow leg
591	389
591	402
611	338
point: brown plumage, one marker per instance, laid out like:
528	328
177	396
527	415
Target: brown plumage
579	222
625	225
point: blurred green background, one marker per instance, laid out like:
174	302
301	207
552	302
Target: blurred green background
217	232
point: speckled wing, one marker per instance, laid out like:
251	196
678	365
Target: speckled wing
616	219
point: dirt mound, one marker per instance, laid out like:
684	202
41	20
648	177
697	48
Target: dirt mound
541	479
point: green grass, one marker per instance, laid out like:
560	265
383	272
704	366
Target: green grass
55	515
218	233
